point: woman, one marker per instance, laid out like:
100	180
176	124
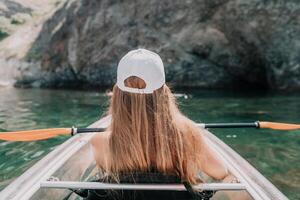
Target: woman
148	134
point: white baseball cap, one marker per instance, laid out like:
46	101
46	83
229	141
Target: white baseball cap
144	64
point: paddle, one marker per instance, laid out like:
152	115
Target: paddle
42	134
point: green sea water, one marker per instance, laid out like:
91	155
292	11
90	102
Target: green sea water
276	154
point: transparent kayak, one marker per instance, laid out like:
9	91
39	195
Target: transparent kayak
71	164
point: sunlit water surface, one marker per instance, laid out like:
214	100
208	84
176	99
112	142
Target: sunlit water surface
274	153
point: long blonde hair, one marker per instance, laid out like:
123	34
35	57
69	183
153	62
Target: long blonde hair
149	132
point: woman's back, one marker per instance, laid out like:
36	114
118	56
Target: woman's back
147	129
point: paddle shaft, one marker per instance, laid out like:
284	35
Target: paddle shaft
86	130
230	125
214	125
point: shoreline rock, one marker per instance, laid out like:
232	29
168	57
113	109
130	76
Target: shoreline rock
204	44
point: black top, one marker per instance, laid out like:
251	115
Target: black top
144	178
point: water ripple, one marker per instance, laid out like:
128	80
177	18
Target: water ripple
274	153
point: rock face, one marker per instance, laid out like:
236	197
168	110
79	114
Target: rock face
203	43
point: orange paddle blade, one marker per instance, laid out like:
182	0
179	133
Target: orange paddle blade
34	135
279	126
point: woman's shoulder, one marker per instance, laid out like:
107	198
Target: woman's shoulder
189	127
100	139
100	145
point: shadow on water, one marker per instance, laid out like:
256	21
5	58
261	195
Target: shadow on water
274	153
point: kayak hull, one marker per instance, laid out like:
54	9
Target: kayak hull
73	161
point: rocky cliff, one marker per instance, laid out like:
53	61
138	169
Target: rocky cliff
203	43
20	24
